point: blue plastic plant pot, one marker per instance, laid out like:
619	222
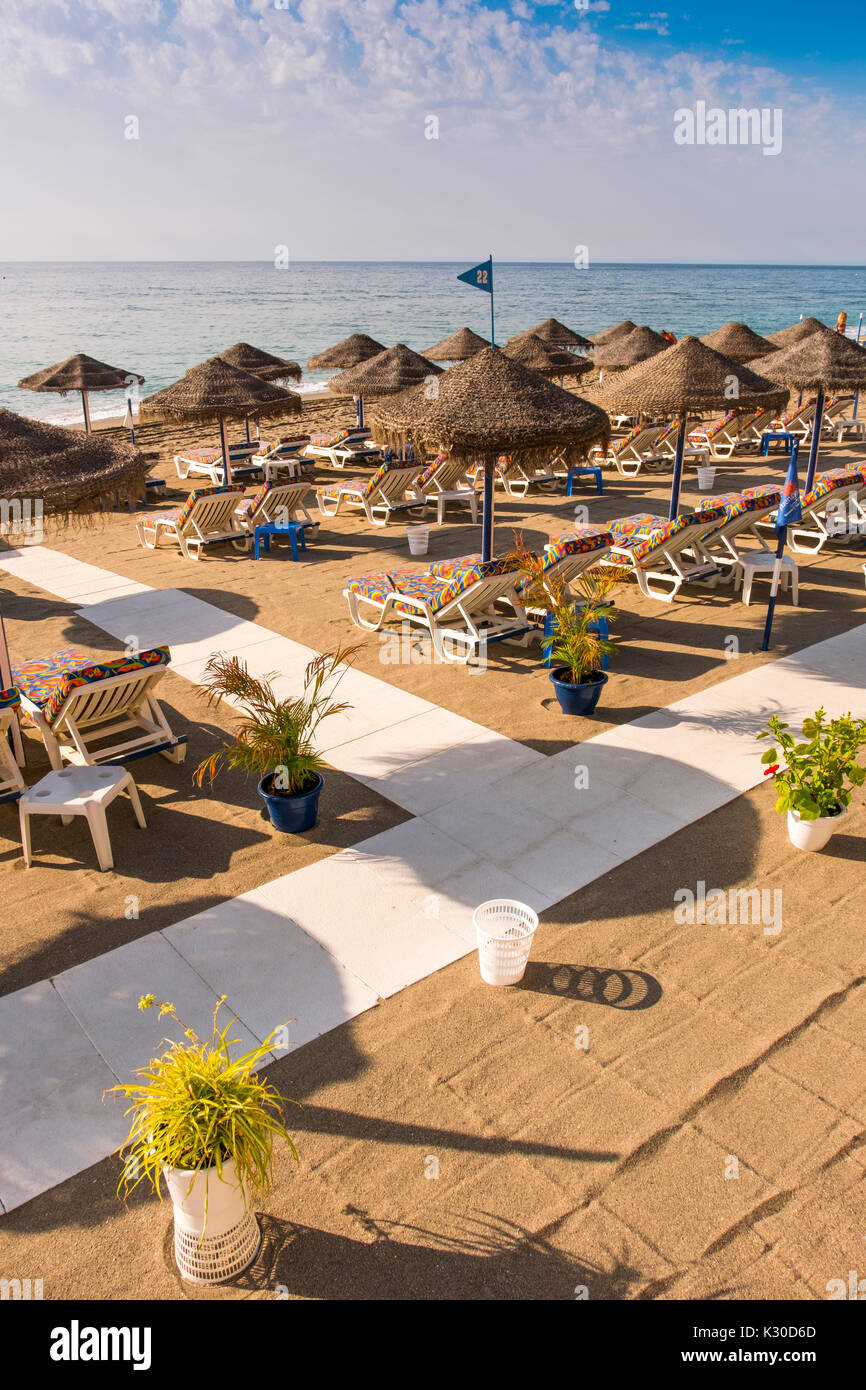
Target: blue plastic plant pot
576	699
291	814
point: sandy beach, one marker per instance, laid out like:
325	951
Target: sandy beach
557	1167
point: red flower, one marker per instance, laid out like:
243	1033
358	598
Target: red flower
774	767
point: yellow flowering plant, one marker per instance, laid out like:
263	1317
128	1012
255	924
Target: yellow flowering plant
195	1107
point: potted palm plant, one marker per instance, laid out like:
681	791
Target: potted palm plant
577	644
206	1123
275	738
810	775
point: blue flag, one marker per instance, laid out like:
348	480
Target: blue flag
790	509
480	276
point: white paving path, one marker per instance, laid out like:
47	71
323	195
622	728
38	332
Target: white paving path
490	818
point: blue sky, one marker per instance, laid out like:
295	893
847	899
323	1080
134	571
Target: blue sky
306	123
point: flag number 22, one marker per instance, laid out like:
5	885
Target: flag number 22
482	277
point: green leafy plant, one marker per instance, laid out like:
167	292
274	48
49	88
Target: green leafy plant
810	775
195	1107
274	735
576	642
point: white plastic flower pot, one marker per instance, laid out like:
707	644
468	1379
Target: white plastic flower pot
419	539
215	1245
504	930
706	478
813	834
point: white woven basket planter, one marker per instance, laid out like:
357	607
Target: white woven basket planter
504	929
209	1251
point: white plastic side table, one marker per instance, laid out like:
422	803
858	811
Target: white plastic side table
753	563
79	791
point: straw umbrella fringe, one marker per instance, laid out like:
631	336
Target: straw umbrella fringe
739	342
486	406
80	373
821	361
688	376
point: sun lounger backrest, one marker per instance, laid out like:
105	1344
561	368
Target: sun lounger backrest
196	500
391	478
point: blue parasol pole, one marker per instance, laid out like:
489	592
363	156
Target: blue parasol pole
789	510
480	277
857	392
678	468
816	439
227	467
492	335
359	408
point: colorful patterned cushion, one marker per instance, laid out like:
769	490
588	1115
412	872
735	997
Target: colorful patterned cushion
9	698
328	441
764	492
247	505
582	541
736	504
68	675
826	483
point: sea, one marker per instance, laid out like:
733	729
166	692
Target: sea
159	318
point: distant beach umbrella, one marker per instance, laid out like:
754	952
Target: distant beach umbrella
530	349
217	391
462	344
801	329
390	371
261	364
822	361
607	335
351	352
739	342
80	373
66	475
552	331
689	376
348	353
487	406
627	349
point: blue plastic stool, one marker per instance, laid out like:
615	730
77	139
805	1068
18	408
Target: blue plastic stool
777	436
576	473
602	627
294	530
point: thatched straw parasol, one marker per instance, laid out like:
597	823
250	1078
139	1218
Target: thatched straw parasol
66	475
486	406
739	342
822	361
688	376
556	333
786	336
627	349
215	390
390	371
80	373
533	352
607	335
262	364
347	353
462	344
